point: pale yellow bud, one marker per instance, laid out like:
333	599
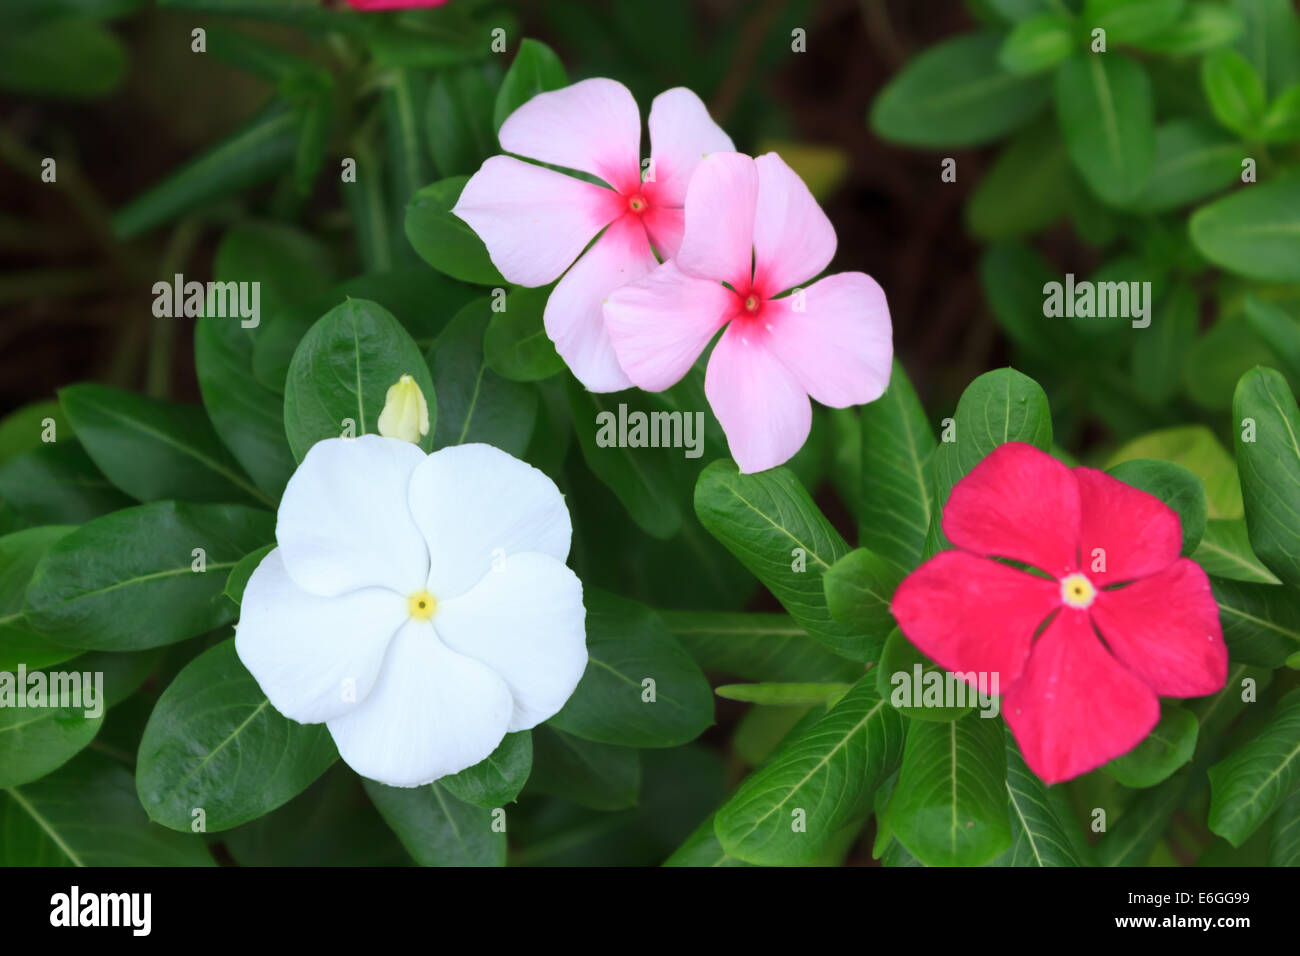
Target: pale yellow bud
406	413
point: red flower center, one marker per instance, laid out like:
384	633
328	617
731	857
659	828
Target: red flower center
637	203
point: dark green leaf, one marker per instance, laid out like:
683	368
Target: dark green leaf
497	779
1175	486
599	776
439	830
536	69
1253	231
1249	785
1106	113
1169	745
444	240
759	647
1264	411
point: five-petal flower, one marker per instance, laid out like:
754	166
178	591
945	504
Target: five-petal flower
1083	650
753	231
417	604
536	221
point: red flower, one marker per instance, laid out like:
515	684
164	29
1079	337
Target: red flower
393	4
1127	619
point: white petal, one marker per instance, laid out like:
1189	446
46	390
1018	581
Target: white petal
314	657
476	505
432	712
344	522
526	621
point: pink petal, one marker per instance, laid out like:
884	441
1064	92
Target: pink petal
972	614
1137	533
534	221
761	407
574	316
681	134
660	324
793	239
1165	628
840	345
666	225
1075	707
593	126
719	239
1018	503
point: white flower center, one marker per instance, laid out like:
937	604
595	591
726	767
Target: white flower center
422	605
1077	590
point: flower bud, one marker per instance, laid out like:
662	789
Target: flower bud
406	413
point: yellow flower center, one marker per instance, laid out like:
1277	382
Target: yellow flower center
422	604
1077	590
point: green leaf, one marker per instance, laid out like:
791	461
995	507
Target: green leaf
20	553
628	646
859	587
1235	91
154	449
1282	121
536	69
1131	840
1130	21
1205	26
1264	409
1197	449
1249	785
1175	486
1284	846
950	805
368	204
1013	277
641	477
1278	331
1169	745
897	681
516	345
1261	622
1039	837
784	695
1107	117
1037	43
242	571
444	240
67	58
214	743
1194	159
87	814
36	736
599	776
342	370
429	38
458	120
822	779
757	647
998	407
955	94
1271	41
1253	232
769	522
406	166
25	428
496	779
437	829
1026	188
702	848
474	403
256	152
1225	552
127	581
58	484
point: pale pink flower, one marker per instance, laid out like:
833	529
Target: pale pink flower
753	231
535	221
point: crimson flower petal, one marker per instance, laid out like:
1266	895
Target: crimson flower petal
1165	628
1125	533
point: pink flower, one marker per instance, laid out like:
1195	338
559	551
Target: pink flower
1127	619
753	231
536	222
393	4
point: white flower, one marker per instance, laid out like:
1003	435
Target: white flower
417	604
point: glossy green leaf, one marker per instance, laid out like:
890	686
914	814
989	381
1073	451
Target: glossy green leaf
516	345
757	647
1194	159
1169	745
1261	622
474	403
703	848
788	811
859	587
1225	552
956	94
1106	113
1253	232
769	522
214	743
1263	409
536	69
242	571
1251	783
444	240
341	373
1039	836
1131	840
640	688
950	805
36	736
20	553
1235	91
1197	449
1278	330
1284	842
782	695
437	829
458	120
130	580
58	484
496	779
599	776
1175	486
